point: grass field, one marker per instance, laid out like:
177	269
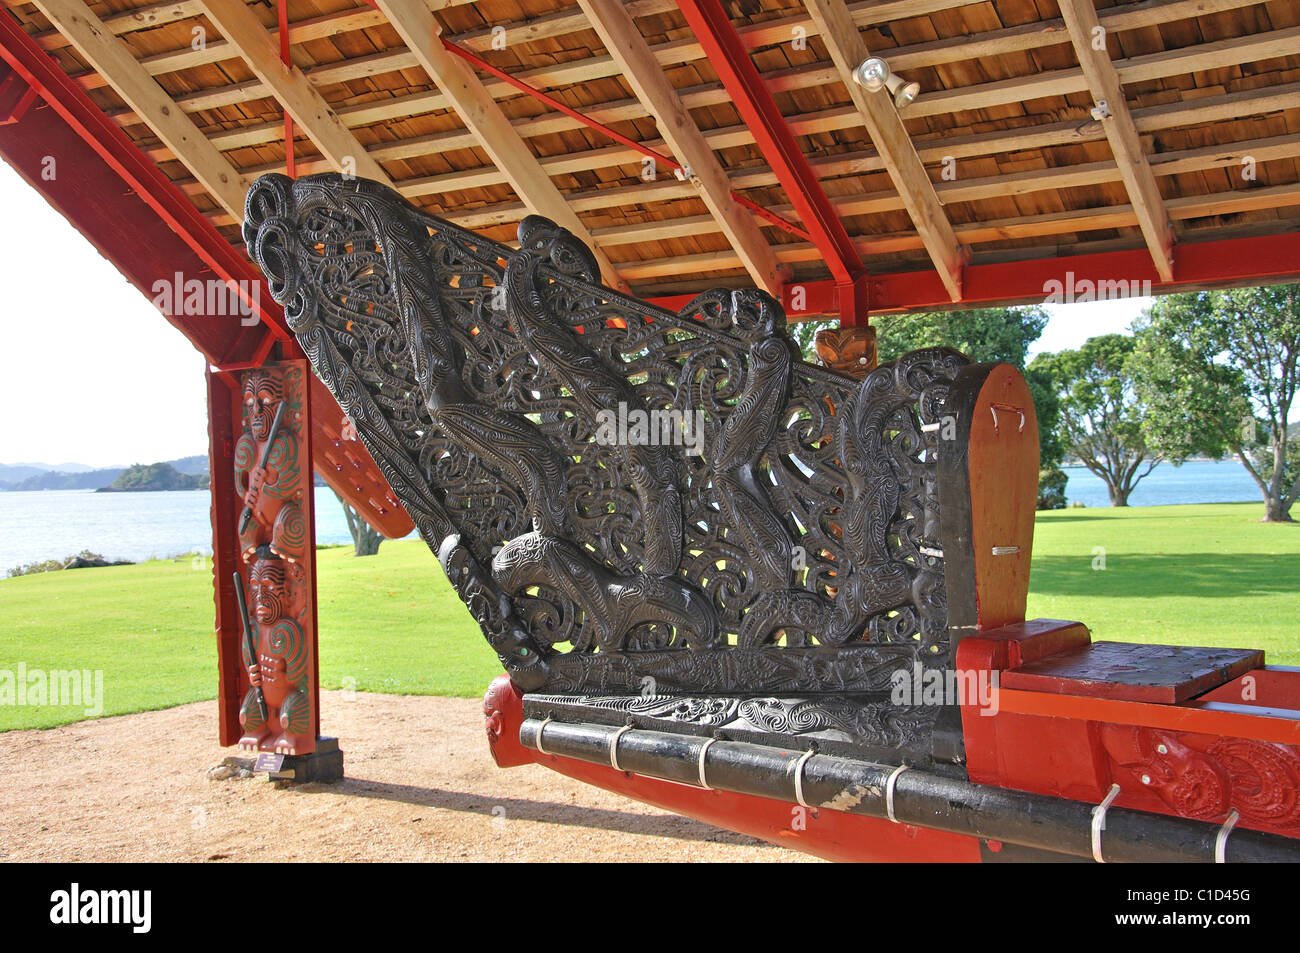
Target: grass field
1195	575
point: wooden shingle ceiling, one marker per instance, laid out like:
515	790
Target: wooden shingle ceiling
1203	140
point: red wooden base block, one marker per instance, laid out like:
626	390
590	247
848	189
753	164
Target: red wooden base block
1191	732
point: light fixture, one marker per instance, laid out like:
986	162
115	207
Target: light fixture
904	93
873	75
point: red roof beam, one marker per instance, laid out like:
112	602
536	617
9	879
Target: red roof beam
727	54
1226	262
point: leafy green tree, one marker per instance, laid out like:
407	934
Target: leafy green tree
1051	488
804	333
1101	414
983	334
1218	372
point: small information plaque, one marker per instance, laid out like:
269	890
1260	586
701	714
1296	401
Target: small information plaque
269	762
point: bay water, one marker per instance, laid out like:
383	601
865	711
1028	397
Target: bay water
54	524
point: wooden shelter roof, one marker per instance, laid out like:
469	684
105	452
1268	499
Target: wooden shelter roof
1017	166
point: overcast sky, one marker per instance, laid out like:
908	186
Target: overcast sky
91	373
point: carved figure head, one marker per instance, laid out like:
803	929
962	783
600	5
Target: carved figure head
503	711
270	597
263	392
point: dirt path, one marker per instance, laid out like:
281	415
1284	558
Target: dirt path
135	788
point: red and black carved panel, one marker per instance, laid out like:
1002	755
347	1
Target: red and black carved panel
276	565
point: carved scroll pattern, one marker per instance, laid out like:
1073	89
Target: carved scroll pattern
804	521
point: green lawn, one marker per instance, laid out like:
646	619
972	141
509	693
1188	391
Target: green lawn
1199	575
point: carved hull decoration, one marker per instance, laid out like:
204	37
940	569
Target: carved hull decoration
850	722
1204	777
273	480
752	524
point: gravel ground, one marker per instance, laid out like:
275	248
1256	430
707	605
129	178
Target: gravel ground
420	786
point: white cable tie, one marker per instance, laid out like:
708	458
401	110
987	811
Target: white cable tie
798	776
613	746
1221	838
890	784
1099	822
540	729
704	750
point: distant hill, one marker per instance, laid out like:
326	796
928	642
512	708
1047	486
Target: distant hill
154	476
196	465
62	467
17	472
58	480
78	476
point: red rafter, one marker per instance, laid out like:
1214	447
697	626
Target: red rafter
726	53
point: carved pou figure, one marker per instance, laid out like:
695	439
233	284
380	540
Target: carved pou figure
279	672
267	471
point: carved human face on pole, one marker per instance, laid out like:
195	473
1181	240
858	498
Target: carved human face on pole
267	581
262	395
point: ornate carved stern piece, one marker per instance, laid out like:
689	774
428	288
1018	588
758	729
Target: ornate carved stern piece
631	502
665	521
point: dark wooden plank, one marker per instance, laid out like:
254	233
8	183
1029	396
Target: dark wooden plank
1164	674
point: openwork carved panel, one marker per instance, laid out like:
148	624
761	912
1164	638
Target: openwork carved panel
620	493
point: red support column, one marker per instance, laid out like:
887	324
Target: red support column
232	681
66	149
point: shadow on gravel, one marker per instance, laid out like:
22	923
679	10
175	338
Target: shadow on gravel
549	812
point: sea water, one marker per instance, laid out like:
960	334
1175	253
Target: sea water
54	524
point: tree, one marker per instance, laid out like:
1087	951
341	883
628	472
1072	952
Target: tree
804	334
365	538
1101	415
982	334
1219	371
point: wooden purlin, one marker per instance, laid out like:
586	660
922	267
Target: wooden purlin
642	72
1054	196
758	110
176	130
893	143
310	112
1091	45
489	125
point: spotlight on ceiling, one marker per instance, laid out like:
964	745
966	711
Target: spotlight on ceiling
904	93
873	75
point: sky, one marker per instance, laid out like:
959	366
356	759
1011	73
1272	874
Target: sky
91	373
1072	324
